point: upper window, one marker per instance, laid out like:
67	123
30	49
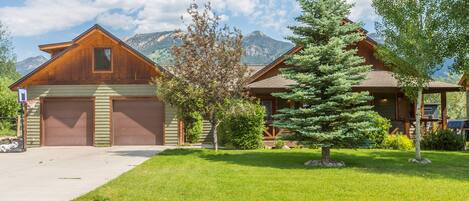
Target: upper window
102	59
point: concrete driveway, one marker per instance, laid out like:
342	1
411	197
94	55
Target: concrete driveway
64	173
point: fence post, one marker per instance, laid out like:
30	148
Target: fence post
18	126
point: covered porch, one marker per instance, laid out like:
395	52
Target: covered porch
389	102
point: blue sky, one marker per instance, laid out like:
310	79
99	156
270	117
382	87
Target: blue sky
35	22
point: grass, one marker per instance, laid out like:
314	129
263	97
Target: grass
200	174
7	133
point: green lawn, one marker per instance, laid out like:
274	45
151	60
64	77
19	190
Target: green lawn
195	174
7	133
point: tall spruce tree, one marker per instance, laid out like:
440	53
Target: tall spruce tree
329	112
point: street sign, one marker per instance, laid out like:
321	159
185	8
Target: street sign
22	95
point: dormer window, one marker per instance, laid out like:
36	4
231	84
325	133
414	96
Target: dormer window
102	60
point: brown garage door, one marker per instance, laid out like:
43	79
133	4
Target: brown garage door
137	122
68	122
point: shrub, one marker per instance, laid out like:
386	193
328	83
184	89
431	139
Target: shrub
279	144
381	127
193	125
443	140
242	124
399	142
9	105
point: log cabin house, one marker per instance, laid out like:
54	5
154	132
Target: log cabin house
389	101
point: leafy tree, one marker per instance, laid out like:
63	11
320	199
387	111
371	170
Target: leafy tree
418	36
9	105
7	57
207	69
330	113
193	127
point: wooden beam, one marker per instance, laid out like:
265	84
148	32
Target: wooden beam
444	111
407	128
181	136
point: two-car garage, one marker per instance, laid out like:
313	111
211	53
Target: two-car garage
133	121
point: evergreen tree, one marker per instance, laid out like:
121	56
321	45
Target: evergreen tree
330	113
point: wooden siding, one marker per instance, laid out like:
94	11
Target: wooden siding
102	94
205	137
75	65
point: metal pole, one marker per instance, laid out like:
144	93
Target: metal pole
22	126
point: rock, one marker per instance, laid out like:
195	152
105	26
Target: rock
320	163
11	145
285	147
424	161
267	147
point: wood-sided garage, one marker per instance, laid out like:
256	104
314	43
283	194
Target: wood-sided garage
137	121
96	90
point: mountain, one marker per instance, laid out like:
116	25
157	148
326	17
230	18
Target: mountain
376	37
27	65
260	48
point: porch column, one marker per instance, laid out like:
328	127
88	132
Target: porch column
467	105
444	111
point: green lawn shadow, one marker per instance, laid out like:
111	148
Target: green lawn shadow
446	165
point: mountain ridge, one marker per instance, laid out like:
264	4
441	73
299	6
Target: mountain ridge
259	47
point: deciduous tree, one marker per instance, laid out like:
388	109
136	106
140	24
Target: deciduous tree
418	36
7	57
207	69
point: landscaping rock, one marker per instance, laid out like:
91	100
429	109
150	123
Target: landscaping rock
320	163
267	147
285	147
424	161
8	145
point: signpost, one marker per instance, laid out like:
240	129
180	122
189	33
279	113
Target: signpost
22	99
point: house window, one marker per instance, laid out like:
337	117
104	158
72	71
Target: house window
268	109
102	59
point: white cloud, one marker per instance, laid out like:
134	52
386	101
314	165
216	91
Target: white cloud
40	16
37	17
363	11
116	21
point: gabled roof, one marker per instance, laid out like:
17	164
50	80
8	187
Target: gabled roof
274	63
296	49
72	44
374	79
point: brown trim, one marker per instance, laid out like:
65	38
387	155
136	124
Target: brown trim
396	106
111	109
181	137
54	45
93	62
41	118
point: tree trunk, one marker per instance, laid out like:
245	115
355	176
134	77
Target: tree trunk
418	114
213	130
326	154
